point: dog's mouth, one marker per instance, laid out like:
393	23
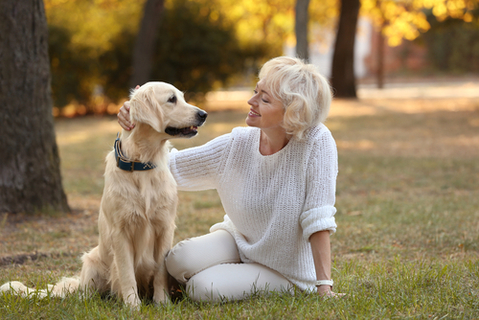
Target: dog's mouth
182	132
190	131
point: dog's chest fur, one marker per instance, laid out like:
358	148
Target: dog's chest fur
146	195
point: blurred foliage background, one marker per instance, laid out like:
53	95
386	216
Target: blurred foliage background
207	44
453	44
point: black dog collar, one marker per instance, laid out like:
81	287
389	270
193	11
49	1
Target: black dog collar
124	164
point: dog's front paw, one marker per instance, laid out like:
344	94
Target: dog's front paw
161	297
132	301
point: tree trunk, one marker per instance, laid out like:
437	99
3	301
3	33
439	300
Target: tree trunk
380	55
343	79
145	42
301	29
30	179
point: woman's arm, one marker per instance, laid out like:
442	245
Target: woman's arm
321	248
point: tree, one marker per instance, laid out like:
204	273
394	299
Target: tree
262	23
396	20
393	20
80	33
199	49
343	79
445	44
145	42
30	172
92	43
301	29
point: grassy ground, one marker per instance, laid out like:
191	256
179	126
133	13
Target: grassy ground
407	244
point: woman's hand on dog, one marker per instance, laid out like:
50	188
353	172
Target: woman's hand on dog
124	117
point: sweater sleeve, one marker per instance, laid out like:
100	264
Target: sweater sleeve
318	213
197	168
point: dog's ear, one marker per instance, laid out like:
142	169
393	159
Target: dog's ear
144	108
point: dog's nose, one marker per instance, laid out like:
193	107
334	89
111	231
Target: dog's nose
201	115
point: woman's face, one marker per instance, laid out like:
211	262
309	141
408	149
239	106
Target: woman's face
266	112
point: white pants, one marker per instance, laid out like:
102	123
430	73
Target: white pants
211	269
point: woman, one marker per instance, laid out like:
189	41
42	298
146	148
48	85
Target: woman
276	180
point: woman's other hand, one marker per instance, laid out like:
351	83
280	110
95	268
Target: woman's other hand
326	292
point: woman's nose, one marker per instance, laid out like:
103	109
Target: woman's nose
252	100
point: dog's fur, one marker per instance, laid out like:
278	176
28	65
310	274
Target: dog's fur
137	212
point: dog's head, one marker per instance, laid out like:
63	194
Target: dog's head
163	107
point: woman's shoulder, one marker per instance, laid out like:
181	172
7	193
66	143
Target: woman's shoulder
317	130
316	134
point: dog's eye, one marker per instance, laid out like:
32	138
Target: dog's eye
172	99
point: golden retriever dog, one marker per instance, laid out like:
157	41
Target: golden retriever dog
138	207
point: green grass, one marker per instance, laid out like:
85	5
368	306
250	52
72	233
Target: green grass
407	244
387	289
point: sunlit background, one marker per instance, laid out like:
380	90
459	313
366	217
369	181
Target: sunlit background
218	45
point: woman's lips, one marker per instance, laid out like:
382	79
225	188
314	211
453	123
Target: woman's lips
253	113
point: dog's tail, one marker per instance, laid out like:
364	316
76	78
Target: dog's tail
61	289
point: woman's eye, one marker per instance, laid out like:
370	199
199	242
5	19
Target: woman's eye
172	99
265	101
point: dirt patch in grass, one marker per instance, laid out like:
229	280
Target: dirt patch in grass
26	237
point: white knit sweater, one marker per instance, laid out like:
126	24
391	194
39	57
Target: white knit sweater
273	203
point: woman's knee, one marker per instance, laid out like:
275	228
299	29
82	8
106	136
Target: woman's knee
191	256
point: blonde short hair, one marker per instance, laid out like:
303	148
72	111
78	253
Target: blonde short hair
304	92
